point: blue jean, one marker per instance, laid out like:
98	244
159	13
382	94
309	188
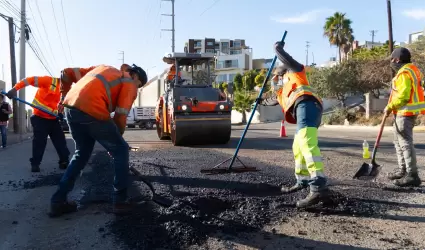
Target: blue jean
309	115
3	131
43	128
85	131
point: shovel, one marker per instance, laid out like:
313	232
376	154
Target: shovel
162	201
369	171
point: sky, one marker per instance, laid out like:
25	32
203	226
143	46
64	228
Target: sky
92	32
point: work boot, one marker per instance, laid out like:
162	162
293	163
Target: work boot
58	209
409	180
313	198
397	174
295	188
122	208
35	168
63	165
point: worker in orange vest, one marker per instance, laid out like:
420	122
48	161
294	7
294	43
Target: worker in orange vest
406	102
44	125
87	106
303	107
172	73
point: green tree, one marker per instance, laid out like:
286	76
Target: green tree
338	30
417	49
259	80
242	103
237	82
248	79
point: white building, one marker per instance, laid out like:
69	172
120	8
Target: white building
228	65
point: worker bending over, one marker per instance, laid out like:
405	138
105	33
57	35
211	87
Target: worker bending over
303	107
44	125
88	105
406	103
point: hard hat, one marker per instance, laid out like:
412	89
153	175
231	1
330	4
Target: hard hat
401	53
140	72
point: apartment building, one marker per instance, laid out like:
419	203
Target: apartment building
232	55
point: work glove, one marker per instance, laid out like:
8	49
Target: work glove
280	44
12	93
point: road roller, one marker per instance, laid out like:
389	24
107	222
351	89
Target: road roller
191	111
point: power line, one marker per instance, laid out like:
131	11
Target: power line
52	56
66	33
42	22
212	5
12	12
38	56
59	33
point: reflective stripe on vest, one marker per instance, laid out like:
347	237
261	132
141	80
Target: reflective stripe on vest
54	84
109	85
297	91
77	74
28	83
40	104
416	107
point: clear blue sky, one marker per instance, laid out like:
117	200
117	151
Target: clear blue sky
98	30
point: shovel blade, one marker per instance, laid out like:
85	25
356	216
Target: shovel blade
367	171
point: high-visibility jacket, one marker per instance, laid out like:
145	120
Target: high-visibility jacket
295	86
72	75
172	73
101	91
407	94
47	95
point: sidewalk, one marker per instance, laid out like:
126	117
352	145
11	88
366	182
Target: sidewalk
25	200
13	138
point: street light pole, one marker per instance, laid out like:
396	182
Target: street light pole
390	27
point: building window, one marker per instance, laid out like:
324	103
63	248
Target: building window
210	51
236	44
221	78
231	64
198	44
219	65
210	43
235	52
231	77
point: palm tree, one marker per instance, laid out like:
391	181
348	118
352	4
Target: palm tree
339	32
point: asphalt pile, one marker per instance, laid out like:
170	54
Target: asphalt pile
229	204
221	206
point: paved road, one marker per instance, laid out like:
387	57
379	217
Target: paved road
236	211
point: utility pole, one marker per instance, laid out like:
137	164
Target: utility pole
13	73
390	31
22	111
372	33
122	52
390	27
172	25
306	55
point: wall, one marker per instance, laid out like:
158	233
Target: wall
373	104
262	114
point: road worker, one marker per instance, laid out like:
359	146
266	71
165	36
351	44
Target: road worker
43	124
87	107
406	102
172	73
303	107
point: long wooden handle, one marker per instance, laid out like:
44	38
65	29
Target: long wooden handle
378	138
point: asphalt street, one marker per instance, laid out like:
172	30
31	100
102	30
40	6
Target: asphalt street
229	211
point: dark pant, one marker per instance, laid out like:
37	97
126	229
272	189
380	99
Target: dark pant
3	131
86	130
42	129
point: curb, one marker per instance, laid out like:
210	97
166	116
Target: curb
357	127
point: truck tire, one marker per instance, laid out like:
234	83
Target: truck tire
131	126
149	125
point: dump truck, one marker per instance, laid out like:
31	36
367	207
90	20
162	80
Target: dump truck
191	111
144	117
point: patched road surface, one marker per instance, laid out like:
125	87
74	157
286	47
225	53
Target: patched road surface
228	211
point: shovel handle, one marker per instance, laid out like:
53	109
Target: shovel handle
378	138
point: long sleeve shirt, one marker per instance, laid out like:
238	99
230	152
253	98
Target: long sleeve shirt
403	86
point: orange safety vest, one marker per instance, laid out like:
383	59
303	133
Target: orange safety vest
47	95
416	104
172	73
297	85
102	91
72	75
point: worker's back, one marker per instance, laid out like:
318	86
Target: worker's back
98	91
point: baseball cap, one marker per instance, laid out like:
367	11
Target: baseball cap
401	53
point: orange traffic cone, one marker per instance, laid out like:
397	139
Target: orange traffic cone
282	129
